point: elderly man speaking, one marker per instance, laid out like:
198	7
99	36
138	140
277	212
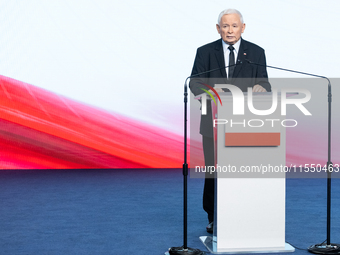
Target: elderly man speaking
233	53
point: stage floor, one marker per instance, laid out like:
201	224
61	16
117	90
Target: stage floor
132	211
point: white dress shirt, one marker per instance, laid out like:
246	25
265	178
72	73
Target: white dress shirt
226	52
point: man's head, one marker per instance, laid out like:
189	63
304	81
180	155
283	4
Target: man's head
230	25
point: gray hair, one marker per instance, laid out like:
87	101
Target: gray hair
229	11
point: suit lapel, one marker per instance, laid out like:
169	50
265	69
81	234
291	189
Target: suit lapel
220	57
241	56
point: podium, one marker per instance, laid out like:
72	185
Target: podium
250	182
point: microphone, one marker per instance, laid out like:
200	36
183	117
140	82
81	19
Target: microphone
185	164
292	71
239	62
330	247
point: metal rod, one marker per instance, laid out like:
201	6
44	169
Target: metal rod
185	171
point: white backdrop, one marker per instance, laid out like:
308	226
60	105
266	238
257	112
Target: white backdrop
132	57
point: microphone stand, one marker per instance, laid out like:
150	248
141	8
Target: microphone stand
329	248
185	250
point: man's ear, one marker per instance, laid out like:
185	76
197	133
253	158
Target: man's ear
243	27
218	28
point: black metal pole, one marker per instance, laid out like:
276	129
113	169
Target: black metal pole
329	178
185	170
185	250
329	248
329	164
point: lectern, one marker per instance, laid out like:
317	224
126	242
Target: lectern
250	169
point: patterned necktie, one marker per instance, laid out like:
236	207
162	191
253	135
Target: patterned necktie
231	67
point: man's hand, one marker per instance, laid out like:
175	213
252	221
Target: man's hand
218	90
259	88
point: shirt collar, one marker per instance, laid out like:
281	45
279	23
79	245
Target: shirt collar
236	46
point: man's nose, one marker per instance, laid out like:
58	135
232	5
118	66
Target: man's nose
230	30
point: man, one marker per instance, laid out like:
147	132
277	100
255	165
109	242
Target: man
231	50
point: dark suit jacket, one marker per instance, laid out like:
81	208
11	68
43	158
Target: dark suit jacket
211	56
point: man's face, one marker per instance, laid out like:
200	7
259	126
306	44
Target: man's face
230	28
